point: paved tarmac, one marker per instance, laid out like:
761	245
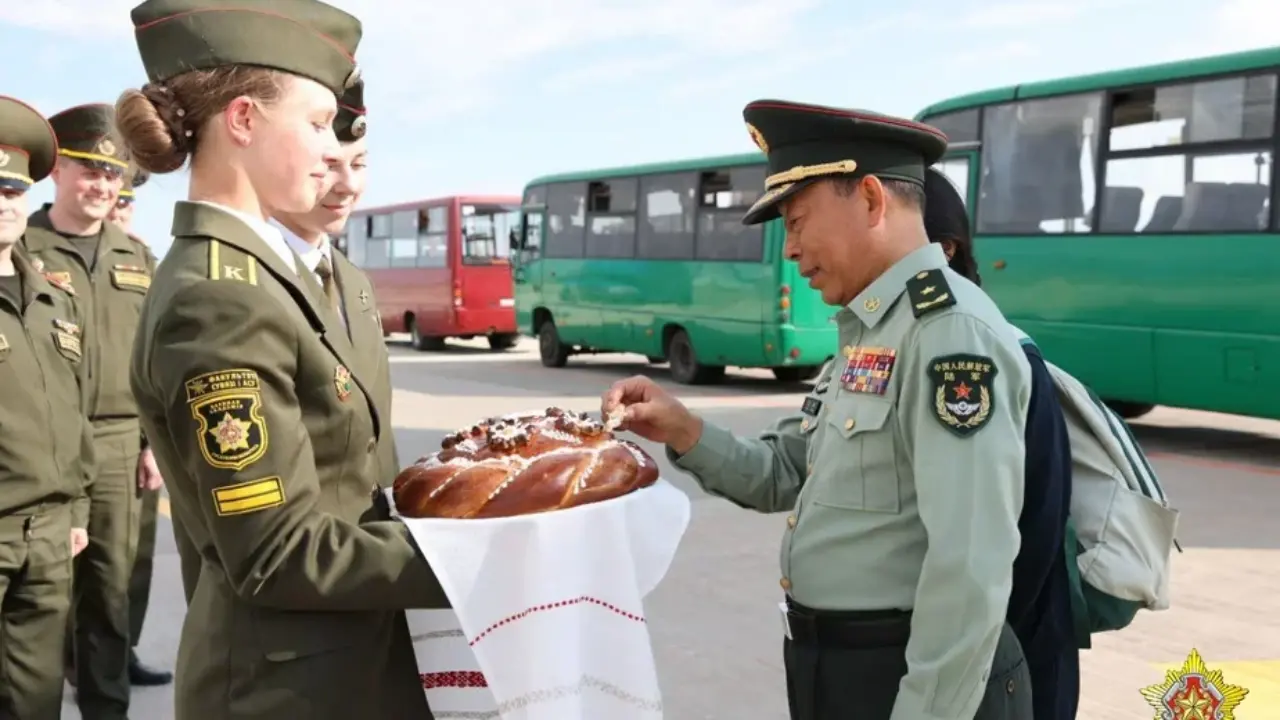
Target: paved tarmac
714	620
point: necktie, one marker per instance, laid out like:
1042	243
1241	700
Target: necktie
325	271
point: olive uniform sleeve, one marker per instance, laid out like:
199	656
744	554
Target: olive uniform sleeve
276	548
764	473
80	505
963	410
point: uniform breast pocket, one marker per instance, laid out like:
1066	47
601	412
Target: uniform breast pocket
856	464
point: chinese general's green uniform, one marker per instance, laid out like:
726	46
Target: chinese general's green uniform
903	471
110	274
264	427
46	446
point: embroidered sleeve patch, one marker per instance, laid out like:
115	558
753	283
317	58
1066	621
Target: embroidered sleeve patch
963	392
227	408
248	497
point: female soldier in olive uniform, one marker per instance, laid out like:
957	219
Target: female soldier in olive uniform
903	471
259	414
46	442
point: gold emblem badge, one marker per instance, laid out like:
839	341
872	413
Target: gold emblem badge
871	304
4	158
359	127
342	382
106	147
227	408
1193	692
758	138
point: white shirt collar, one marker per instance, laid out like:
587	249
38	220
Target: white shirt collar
269	233
309	253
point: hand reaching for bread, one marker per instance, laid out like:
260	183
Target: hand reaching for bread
647	410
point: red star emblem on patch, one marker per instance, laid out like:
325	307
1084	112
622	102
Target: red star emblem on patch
962	391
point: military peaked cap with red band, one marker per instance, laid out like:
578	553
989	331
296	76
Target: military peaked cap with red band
28	146
302	37
806	143
350	123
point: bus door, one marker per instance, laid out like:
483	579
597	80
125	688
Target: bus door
526	256
961	167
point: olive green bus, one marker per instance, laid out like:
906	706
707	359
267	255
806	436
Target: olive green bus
654	260
1126	221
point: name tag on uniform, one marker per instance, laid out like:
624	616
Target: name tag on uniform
130	277
811	406
868	370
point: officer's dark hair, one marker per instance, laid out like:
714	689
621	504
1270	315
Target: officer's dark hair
907	192
947	221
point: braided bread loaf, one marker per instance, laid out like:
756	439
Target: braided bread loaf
521	465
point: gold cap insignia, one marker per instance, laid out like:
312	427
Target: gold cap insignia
1194	690
106	147
359	127
4	158
758	138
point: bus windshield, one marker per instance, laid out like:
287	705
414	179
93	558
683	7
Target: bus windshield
488	232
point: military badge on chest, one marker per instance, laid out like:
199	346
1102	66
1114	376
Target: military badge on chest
868	369
342	382
963	391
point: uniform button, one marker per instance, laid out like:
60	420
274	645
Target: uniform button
791	521
848	424
1009	687
785	583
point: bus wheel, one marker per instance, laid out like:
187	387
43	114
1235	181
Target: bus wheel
554	353
1129	410
796	373
423	342
502	341
685	368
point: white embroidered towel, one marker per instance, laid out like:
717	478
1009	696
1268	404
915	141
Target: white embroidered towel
551	604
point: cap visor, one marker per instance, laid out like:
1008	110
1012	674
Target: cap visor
766	208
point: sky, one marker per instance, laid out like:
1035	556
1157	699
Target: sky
480	97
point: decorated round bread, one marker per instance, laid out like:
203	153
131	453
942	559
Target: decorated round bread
521	465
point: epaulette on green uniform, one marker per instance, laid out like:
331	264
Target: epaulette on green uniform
230	263
929	292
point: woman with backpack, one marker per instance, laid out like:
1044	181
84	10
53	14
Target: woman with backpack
1040	604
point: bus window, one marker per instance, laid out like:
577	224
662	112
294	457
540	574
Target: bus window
566	220
486	233
611	218
667	205
960	127
956	170
1203	188
378	247
726	196
432	247
1038	173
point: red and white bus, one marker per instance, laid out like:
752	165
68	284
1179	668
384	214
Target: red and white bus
440	268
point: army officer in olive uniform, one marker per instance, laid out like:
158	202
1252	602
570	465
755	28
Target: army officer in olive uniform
110	272
258	406
144	556
46	443
903	471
